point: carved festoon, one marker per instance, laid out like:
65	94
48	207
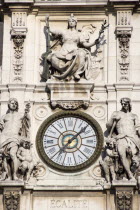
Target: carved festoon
124	132
69	55
124	200
11	200
18	41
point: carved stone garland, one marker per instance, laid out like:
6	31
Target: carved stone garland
11	200
124	39
18	41
124	200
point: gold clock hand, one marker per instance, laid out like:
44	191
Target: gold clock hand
62	149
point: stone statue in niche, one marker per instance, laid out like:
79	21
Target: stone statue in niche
125	130
14	127
69	57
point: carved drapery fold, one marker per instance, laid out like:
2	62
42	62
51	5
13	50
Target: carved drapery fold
123	33
18	34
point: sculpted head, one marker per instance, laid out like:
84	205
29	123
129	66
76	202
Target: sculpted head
126	104
13	104
72	21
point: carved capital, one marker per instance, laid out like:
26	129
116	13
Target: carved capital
70	105
124	199
11	200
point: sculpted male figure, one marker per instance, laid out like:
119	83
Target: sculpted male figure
11	125
126	129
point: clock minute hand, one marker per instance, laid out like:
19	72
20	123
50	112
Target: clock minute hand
70	140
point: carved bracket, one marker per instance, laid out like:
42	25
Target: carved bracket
70	105
124	199
11	200
123	33
18	34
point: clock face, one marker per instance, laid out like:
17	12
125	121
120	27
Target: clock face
70	141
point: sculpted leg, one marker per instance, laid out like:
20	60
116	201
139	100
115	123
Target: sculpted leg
122	148
7	170
80	64
112	171
59	64
13	155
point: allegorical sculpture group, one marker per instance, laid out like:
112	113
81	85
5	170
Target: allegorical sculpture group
121	156
69	54
16	160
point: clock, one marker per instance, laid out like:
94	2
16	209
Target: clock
69	141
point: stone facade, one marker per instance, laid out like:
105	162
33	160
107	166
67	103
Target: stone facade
115	75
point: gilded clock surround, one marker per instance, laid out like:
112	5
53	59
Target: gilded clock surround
76	114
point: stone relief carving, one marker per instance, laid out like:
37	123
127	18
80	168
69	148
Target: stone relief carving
123	32
70	57
124	40
122	145
18	34
11	200
18	41
124	200
16	157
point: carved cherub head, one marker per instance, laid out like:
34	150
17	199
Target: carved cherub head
110	143
25	144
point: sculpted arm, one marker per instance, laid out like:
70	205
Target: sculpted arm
19	154
2	123
88	44
137	124
56	32
114	116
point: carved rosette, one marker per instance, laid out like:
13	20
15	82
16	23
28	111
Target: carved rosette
18	34
123	33
124	200
11	200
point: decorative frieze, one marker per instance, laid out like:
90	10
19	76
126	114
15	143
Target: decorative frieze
18	34
123	33
11	200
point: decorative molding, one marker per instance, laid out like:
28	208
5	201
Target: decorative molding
124	199
18	34
70	105
11	200
123	33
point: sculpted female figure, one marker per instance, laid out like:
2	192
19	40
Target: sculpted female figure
73	58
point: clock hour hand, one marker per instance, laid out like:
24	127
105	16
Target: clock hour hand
62	149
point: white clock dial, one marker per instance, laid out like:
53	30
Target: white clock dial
70	141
